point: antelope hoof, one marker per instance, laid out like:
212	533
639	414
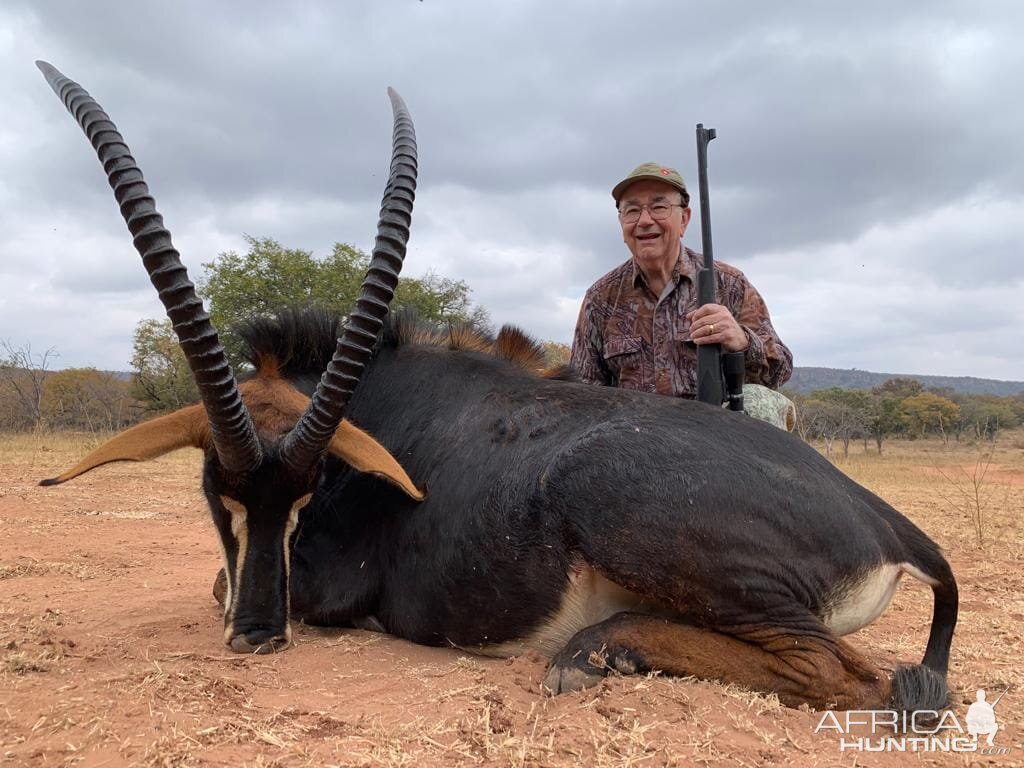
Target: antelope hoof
258	645
585	662
565	679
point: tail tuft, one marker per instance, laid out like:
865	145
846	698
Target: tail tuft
917	688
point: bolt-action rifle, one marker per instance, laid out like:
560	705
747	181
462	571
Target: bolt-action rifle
719	374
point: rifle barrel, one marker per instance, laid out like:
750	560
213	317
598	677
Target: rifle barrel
704	136
710	382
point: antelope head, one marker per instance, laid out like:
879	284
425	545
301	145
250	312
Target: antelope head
263	441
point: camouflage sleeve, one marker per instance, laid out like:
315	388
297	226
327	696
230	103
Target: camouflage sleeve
586	358
768	360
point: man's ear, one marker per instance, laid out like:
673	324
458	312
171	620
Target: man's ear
360	451
183	428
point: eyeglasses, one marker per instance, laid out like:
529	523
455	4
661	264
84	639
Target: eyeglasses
630	214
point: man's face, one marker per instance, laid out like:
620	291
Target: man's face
654	244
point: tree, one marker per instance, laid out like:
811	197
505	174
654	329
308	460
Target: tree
270	277
928	411
818	420
22	374
900	388
162	379
84	398
885	417
556	353
839	413
1017	404
985	415
440	299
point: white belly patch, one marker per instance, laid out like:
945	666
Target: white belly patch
590	598
864	600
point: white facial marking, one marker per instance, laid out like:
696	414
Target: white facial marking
227	575
293	519
241	533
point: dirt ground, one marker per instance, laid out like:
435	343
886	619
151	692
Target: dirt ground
111	642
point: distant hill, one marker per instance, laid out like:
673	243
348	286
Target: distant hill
809	379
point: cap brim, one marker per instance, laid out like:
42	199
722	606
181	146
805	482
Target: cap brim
623	185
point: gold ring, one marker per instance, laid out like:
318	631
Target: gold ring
711	328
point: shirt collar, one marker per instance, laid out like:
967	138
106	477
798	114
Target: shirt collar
687	266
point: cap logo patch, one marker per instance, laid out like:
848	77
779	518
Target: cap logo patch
665	171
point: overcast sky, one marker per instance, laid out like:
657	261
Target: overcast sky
868	175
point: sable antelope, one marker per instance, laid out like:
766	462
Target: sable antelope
609	529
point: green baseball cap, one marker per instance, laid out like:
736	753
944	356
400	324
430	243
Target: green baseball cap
654	171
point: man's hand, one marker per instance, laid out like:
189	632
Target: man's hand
714	324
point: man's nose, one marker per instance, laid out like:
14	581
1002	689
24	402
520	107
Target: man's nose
645	217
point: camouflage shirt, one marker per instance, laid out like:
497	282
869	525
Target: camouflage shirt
626	337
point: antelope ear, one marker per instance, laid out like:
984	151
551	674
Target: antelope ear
357	449
185	427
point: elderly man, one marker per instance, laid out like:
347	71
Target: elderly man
639	325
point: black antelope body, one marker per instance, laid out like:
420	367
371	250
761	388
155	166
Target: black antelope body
609	529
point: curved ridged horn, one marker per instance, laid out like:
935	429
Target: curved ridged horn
230	425
307	441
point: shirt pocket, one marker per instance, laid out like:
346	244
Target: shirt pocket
622	355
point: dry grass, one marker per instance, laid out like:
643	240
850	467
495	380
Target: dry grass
32	644
31	567
143	490
48	451
966	495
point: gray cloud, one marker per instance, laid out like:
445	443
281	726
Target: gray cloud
867	174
